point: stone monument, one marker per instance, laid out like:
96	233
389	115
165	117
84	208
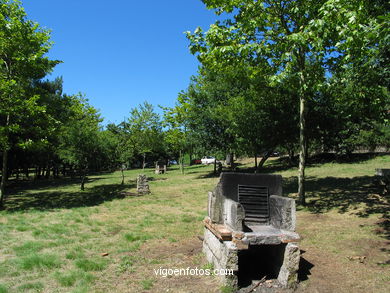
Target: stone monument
142	184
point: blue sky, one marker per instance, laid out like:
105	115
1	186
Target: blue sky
120	53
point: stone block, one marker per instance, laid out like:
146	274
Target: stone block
282	212
288	274
233	215
142	184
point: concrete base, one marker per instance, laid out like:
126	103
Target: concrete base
282	259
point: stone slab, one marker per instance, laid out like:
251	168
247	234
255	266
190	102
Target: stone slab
269	235
282	212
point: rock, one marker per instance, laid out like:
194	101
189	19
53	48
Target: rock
142	184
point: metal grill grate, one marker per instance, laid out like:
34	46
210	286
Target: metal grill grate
255	201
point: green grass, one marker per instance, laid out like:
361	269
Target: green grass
3	289
70	278
39	261
147	284
31	287
126	264
75	253
88	265
53	235
29	247
131	237
227	289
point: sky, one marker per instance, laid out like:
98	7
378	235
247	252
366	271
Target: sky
120	53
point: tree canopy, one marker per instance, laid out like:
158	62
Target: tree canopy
302	45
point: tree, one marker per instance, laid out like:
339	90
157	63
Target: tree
79	137
302	41
177	137
124	146
145	131
205	118
23	45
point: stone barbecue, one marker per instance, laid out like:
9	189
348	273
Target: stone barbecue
250	229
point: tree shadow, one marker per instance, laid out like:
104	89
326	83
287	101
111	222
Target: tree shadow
273	167
210	174
59	199
150	179
358	194
16	186
283	163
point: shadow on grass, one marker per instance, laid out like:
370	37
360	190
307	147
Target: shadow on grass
91	196
42	184
150	179
208	175
359	194
283	163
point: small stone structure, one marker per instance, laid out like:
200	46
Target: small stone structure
383	178
161	167
142	184
250	230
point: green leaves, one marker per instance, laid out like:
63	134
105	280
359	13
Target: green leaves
332	53
23	45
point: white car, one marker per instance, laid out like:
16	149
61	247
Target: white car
207	160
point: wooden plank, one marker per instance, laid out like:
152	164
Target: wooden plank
220	231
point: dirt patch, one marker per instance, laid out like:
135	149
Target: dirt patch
163	249
180	255
340	254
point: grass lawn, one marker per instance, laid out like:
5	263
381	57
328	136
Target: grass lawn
55	238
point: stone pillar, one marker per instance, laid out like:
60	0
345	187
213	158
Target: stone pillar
142	184
223	255
288	274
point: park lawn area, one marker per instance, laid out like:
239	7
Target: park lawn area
56	238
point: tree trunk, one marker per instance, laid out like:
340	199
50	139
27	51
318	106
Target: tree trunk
215	166
302	152
3	177
82	182
291	156
47	175
231	155
143	162
255	163
72	172
83	177
264	158
181	162
123	177
56	171
4	170
302	130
